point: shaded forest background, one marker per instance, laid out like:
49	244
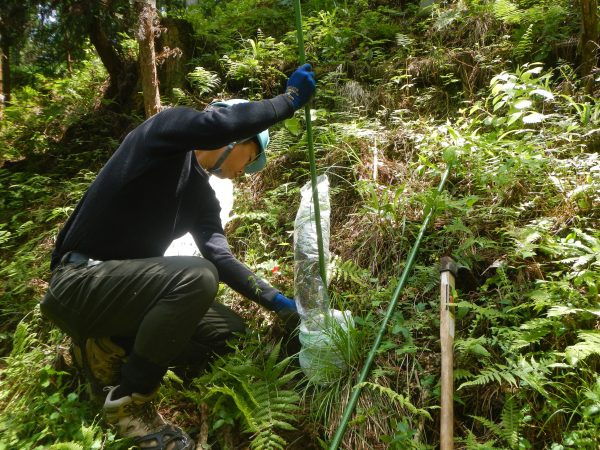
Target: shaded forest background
504	91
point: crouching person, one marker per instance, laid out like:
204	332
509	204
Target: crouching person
132	312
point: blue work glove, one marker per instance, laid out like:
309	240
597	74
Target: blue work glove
301	86
281	302
286	310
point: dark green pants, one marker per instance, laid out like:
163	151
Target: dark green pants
164	306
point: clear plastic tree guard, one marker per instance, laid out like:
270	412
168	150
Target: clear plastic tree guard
309	290
323	331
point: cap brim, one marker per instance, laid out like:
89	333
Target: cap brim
258	164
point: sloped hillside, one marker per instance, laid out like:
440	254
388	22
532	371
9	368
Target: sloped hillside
487	88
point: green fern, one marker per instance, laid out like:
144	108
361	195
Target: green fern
533	331
520	373
560	310
268	440
511	421
474	346
280	142
589	345
507	12
498	373
509	429
403	40
240	402
181	97
348	271
399	398
91	437
67	446
525	44
255	393
472	444
203	81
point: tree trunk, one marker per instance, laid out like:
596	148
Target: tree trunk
175	48
1	84
69	62
589	42
147	59
123	73
5	76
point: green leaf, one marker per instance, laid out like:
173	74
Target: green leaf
523	104
534	117
543	93
479	349
514	117
294	126
535	71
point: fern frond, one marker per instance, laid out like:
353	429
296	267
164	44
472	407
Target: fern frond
402	40
509	428
284	379
473	346
507	12
267	440
493	427
67	446
560	310
525	44
272	359
203	81
393	395
460	373
181	97
533	331
511	423
240	403
533	373
498	374
348	271
472	444
589	345
488	313
281	141
254	391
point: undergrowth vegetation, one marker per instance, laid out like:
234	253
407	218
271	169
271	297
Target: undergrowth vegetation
487	87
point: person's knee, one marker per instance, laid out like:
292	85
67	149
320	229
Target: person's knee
197	288
201	278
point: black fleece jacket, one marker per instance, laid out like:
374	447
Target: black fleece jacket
152	190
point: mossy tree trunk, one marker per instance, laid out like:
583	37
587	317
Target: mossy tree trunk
122	71
146	10
589	42
3	59
175	48
15	19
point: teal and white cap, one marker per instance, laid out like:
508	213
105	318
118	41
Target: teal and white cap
263	138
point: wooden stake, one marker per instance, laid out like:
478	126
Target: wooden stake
448	271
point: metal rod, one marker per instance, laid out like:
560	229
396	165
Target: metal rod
371	356
448	271
311	156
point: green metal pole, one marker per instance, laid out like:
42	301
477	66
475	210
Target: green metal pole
367	366
311	155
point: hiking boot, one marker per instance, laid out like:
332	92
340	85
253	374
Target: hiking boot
135	416
103	361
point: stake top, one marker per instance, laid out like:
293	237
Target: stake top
447	264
